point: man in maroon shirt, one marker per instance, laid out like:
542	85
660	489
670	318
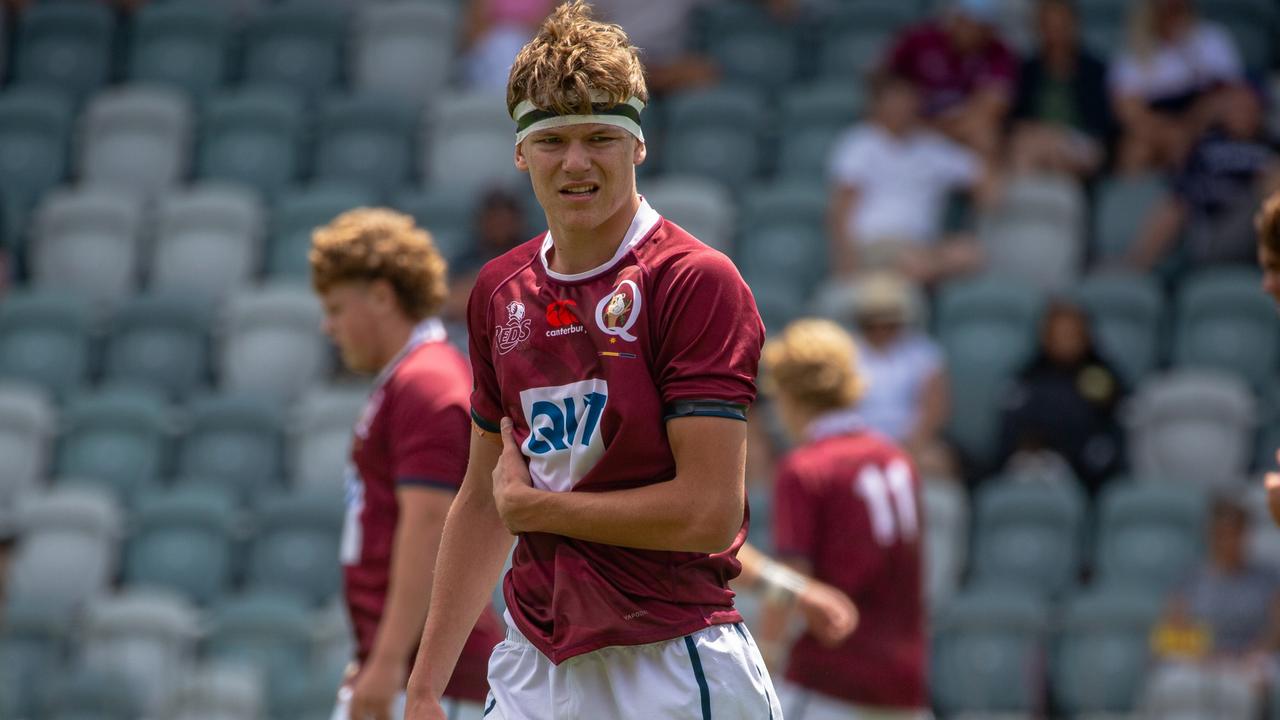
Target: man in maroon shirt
964	71
614	359
381	281
847	511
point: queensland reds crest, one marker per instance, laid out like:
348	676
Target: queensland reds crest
616	312
515	331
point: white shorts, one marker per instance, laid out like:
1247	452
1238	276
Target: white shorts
801	703
454	709
716	672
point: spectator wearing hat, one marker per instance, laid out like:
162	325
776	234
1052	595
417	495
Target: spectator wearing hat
907	396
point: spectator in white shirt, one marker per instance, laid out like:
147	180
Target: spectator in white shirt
892	178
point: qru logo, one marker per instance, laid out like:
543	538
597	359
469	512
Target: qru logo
515	331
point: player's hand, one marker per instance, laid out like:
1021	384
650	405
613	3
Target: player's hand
510	480
829	614
1272	483
375	689
420	704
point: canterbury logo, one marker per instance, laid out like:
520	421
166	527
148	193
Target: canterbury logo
562	315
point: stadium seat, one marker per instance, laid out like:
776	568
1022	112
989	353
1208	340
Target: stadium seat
297	45
220	691
446	213
148	636
295	545
236	440
1028	535
321	438
1037	232
987	327
160	341
1101	654
333	643
701	206
751	47
783	233
137	139
252	137
64	45
269	632
986	651
403	48
299	213
35	127
208	241
778	300
185	45
814	116
95	694
27	424
366	140
716	133
946	515
1150	534
468	144
69	547
1191	691
272	344
88	242
116	439
1252	24
1224	323
1121	210
846	52
44	340
183	542
1127	311
33	649
1191	426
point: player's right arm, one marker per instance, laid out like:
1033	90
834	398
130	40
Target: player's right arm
472	552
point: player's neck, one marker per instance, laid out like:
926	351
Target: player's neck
579	249
393	334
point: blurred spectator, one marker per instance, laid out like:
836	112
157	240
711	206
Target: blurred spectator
499	226
1163	82
494	32
8	540
663	38
1066	400
892	178
1062	116
907	396
1228	609
965	72
1216	193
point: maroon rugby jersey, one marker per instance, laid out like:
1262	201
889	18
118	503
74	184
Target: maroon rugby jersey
848	502
589	367
413	431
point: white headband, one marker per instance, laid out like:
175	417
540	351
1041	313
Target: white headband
625	115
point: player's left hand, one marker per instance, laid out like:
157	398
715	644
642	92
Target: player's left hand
510	480
375	689
829	614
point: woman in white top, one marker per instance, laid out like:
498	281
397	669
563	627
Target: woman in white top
1165	81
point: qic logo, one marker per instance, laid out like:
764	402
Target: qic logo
562	315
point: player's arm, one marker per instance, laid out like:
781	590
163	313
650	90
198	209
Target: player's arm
699	510
473	548
413	558
829	614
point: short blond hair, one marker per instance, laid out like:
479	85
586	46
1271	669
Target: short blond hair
367	244
572	58
813	362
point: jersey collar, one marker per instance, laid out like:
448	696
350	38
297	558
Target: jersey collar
429	330
646	219
836	422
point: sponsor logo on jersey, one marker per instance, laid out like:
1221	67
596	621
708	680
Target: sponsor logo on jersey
616	313
516	331
562	316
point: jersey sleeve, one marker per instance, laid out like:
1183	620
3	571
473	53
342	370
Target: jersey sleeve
710	335
429	433
796	513
486	399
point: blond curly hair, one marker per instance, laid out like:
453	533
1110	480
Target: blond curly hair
367	244
814	363
573	58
